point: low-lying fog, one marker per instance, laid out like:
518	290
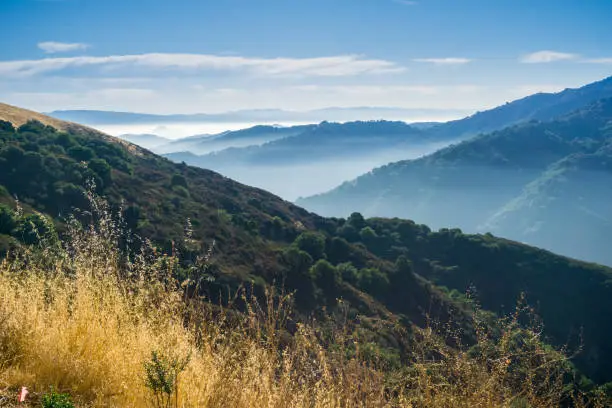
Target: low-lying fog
287	181
180	130
301	180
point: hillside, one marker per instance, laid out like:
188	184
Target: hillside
324	156
256	135
540	106
578	185
385	270
325	141
256	236
320	156
478	183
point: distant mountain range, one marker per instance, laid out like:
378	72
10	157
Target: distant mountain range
256	135
540	106
320	143
94	117
511	164
546	183
311	159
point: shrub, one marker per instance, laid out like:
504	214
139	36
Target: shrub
162	377
56	400
313	243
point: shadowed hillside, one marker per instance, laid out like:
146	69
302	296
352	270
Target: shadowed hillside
544	183
385	271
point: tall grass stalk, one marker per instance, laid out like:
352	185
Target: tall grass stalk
85	319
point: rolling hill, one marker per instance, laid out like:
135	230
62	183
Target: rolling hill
540	182
320	143
256	135
322	157
317	158
96	117
389	271
540	106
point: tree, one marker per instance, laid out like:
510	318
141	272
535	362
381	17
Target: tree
339	250
357	220
326	276
102	169
313	243
403	274
298	265
374	281
80	153
348	272
368	235
178	180
6	127
35	228
8	221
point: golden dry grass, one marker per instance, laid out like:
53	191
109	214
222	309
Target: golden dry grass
82	321
19	116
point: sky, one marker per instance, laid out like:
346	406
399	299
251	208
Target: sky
189	56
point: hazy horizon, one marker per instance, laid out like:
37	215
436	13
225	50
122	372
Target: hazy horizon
181	129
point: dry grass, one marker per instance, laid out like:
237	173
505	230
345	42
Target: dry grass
19	116
84	322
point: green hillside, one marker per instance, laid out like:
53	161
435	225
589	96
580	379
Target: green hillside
520	183
387	270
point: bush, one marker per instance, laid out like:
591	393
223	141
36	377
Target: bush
56	400
162	377
313	243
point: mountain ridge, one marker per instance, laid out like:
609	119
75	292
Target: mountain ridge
97	117
465	184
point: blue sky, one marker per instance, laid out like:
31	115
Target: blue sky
169	56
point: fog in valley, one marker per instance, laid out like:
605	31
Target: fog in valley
180	130
305	179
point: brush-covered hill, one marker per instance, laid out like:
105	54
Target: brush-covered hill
255	135
320	157
546	183
386	269
540	106
326	141
354	139
324	156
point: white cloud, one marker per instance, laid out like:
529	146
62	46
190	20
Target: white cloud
52	47
406	2
599	61
321	66
183	97
547	56
444	61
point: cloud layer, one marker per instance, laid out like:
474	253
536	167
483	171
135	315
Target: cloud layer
547	56
320	66
52	47
444	61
